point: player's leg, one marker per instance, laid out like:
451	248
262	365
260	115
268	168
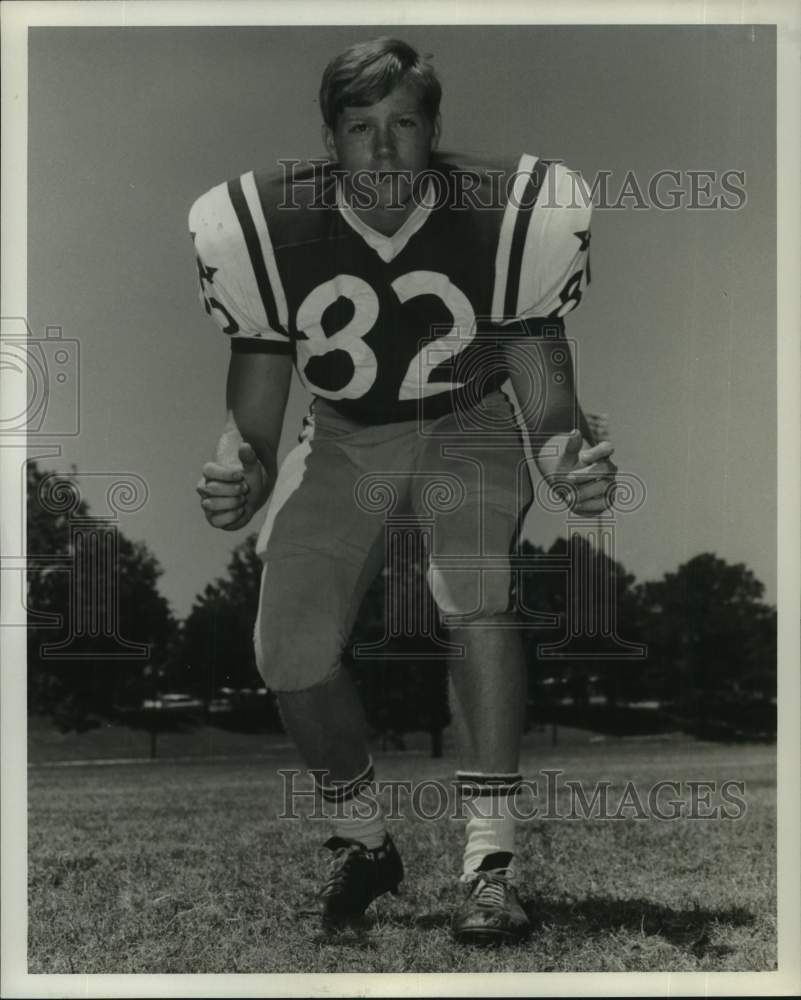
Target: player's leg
488	688
312	586
489	691
326	724
470	579
320	554
321	550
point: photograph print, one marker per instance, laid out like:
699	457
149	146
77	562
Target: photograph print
400	499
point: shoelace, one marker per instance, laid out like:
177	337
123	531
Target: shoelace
492	887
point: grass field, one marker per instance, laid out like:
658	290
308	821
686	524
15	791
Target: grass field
183	867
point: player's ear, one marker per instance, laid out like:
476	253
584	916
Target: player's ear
328	141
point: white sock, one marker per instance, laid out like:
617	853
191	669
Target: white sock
354	809
491	825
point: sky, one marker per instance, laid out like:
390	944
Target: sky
676	338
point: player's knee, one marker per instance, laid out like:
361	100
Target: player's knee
296	658
473	594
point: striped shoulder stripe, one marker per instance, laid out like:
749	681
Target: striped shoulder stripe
245	200
511	241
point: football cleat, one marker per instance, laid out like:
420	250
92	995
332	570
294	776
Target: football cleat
491	912
356	877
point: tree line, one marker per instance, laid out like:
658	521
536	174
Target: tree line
695	649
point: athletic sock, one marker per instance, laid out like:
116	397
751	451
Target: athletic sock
487	800
354	808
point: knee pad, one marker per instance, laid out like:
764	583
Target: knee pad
474	593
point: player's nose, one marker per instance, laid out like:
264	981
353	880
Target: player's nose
384	147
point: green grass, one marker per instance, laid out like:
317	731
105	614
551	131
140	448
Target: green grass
184	868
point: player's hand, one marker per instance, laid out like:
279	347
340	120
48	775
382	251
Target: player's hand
598	424
584	476
232	493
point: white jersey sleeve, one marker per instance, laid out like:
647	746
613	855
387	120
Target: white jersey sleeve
240	288
542	264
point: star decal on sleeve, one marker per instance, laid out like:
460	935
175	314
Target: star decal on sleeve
206	273
584	236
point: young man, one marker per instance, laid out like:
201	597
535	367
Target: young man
406	289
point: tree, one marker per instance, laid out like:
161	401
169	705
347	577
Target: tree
96	618
217	639
597	624
711	634
218	632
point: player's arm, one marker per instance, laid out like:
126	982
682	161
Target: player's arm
241	476
553	273
556	432
256	395
240	479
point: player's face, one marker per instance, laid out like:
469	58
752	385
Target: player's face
387	143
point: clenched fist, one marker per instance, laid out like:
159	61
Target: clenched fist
584	476
232	493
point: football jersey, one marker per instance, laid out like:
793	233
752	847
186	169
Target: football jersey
394	327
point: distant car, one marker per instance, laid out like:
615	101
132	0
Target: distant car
173	702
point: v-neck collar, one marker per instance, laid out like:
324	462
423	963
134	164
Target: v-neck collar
388	247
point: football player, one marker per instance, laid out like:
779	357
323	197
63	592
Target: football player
406	288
